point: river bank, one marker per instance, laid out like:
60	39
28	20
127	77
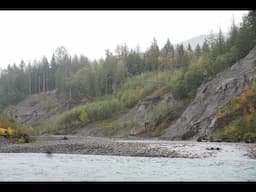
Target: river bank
145	148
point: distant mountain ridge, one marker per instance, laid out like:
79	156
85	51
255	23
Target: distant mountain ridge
199	40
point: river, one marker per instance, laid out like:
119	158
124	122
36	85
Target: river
72	167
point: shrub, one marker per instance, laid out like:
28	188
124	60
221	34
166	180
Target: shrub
12	130
82	115
21	140
232	132
250	137
23	135
202	138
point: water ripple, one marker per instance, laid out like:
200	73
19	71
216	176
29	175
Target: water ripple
62	167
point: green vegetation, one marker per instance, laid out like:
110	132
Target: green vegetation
80	116
146	84
126	77
11	130
77	78
237	122
132	91
42	127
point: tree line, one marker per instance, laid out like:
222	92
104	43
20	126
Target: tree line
76	78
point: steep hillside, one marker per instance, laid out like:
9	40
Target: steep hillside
237	122
142	106
199	118
37	107
146	119
134	93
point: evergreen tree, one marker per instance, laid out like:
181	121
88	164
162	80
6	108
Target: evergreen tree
189	48
205	47
151	57
198	50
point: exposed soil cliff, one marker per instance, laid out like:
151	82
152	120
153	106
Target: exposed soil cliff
199	117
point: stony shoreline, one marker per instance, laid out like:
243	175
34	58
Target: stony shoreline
147	148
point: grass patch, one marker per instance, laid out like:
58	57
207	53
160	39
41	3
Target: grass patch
43	127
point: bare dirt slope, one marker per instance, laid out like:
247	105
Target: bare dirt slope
36	107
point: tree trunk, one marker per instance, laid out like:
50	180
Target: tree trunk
29	85
70	94
43	82
46	82
39	84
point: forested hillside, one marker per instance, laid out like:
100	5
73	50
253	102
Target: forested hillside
126	76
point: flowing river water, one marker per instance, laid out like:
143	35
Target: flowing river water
73	167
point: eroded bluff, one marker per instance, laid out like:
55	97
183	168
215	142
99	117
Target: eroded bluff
199	117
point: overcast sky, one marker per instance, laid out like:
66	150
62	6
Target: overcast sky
29	35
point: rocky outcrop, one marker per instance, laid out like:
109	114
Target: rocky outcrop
199	117
142	111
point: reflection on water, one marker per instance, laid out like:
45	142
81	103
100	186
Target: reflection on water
63	167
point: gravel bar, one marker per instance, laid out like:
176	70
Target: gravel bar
71	144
